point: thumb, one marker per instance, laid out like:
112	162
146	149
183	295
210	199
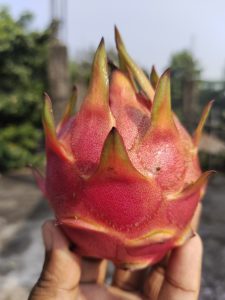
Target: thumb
61	271
183	273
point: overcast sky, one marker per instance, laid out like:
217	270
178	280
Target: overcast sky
152	30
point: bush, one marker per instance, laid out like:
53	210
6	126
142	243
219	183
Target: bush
23	78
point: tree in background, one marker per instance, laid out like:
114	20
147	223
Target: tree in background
185	73
23	78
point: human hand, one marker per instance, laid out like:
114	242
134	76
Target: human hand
66	277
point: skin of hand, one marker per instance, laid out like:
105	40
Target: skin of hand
66	276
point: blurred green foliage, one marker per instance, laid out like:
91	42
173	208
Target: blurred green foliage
184	69
23	78
185	73
80	71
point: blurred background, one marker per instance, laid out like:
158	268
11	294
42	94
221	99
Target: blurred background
48	45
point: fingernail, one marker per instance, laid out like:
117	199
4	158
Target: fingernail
193	234
47	236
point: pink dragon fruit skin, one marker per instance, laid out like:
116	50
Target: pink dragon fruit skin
123	175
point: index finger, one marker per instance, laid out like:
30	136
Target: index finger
93	270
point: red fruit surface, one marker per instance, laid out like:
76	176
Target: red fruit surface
123	175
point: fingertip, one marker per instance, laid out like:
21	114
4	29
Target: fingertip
60	255
183	273
47	234
196	218
61	270
53	237
188	254
48	226
193	246
197	242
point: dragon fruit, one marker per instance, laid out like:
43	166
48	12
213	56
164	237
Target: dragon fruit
123	175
